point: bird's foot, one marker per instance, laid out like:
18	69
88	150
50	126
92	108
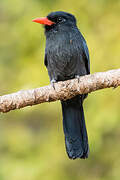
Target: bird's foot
53	81
77	77
115	86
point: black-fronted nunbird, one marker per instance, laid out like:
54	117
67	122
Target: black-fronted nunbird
67	57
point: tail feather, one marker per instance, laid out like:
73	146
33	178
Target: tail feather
76	138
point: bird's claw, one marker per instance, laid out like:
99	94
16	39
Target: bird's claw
53	81
77	77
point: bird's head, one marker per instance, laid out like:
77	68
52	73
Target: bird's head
57	19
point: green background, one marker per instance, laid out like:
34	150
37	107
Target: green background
31	139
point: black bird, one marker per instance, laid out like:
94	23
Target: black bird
67	57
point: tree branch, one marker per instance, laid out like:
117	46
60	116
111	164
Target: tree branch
63	90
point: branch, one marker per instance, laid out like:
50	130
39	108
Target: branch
63	90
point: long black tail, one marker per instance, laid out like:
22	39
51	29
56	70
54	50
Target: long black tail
76	138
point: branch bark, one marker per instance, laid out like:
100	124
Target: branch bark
63	90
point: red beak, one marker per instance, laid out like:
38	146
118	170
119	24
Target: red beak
44	21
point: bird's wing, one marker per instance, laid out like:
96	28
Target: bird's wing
86	56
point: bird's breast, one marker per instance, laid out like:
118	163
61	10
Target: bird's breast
64	54
63	59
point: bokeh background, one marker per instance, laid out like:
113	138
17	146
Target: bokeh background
31	139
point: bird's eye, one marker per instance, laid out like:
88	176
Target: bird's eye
60	19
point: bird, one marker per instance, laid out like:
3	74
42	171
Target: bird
67	57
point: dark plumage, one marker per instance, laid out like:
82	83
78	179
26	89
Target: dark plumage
67	57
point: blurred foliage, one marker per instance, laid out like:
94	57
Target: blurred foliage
31	139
